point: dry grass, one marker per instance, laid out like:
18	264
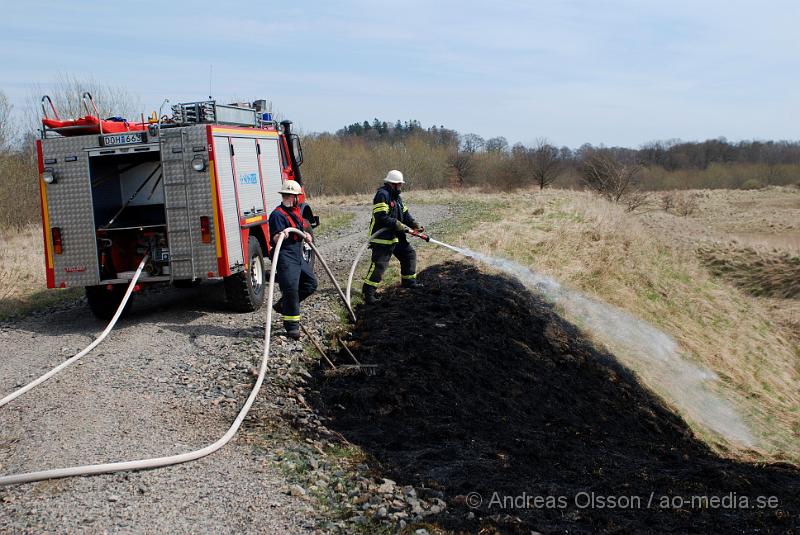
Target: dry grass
22	269
22	272
620	258
759	273
19	190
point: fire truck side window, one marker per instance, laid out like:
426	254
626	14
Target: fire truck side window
284	158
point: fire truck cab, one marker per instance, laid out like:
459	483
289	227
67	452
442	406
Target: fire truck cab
192	192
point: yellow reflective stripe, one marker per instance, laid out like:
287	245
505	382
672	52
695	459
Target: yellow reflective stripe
380	207
246	132
47	232
414	276
369	282
291	318
405	208
378	240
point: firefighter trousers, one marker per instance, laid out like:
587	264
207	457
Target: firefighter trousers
381	254
297	281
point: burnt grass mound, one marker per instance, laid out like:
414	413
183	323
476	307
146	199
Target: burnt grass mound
483	388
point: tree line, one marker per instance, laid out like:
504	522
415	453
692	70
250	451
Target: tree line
353	158
348	160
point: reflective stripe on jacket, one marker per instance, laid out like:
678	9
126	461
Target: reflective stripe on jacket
387	209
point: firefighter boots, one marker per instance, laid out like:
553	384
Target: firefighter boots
292	329
370	298
412	283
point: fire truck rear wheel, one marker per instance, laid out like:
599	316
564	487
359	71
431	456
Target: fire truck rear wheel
104	302
245	291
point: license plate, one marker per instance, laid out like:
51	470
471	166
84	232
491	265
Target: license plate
123	139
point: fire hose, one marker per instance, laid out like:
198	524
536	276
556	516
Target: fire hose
80	354
363	248
168	460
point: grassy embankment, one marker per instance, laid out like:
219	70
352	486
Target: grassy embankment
652	266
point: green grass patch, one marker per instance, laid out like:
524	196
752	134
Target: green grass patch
467	216
331	221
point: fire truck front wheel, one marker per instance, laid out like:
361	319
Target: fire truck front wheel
245	291
103	302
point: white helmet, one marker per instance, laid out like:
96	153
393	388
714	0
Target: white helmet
290	187
394	177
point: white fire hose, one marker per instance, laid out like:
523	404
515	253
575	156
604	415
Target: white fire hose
360	253
170	459
77	356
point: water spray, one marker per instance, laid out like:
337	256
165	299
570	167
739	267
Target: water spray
634	341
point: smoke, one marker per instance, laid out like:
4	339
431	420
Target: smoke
653	354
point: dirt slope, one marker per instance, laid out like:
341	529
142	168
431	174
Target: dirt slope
483	388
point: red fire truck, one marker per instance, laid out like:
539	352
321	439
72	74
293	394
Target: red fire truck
192	191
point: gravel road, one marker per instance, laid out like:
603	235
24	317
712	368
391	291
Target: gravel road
170	378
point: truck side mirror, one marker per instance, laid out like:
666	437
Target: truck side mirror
297	149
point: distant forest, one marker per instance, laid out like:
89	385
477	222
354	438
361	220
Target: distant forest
349	160
672	154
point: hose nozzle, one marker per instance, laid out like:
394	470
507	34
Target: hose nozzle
419	235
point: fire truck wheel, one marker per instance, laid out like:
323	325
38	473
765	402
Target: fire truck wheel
104	302
245	291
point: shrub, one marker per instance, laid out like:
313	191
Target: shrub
685	203
603	173
752	184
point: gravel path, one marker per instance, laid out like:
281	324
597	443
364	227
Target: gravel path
169	379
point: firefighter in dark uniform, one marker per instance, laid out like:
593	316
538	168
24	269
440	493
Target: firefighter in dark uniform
390	213
294	274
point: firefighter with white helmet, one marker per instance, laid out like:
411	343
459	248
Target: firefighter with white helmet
390	215
295	276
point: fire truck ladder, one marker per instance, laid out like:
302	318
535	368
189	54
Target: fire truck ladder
176	202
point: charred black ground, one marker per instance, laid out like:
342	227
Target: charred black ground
484	388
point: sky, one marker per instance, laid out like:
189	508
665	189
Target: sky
614	72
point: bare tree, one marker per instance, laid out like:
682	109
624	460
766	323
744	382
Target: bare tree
6	127
472	143
635	199
545	163
66	91
496	144
607	176
463	164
